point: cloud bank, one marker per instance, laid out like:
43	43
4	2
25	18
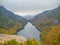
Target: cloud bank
29	7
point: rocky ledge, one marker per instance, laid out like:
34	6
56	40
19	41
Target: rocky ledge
5	37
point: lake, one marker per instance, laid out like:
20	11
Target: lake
30	31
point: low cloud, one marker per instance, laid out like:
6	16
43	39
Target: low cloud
29	6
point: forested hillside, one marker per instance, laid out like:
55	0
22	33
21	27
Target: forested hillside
48	24
10	23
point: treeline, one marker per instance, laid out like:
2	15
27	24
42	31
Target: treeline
14	42
12	30
51	37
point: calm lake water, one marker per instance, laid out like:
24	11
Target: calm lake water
30	31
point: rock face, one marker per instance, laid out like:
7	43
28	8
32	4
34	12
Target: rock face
5	37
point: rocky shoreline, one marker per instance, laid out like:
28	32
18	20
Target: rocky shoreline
5	37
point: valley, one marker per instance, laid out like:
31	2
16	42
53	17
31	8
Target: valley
43	29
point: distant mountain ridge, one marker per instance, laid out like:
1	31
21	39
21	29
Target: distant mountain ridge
10	22
29	17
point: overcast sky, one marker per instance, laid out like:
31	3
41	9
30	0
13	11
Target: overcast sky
29	7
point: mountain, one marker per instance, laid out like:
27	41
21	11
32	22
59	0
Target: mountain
47	17
48	24
29	17
22	19
10	23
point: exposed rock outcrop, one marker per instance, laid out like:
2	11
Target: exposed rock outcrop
5	37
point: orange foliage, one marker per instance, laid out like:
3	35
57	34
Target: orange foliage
53	36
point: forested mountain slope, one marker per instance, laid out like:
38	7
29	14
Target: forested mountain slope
48	24
10	23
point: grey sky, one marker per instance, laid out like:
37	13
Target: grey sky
29	7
